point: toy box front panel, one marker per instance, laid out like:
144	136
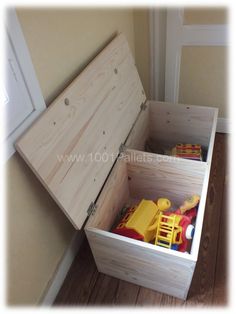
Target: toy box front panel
132	261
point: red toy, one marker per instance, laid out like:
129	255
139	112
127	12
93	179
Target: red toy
121	230
147	222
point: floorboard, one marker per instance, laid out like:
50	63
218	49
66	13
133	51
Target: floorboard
85	286
80	280
147	297
201	290
126	294
220	290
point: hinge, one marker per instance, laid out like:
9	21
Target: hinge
143	106
122	148
92	208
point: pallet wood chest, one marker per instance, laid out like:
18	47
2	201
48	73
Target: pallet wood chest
74	149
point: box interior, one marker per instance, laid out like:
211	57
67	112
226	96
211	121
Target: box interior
162	125
134	178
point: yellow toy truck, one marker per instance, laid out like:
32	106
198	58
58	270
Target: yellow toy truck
150	221
140	222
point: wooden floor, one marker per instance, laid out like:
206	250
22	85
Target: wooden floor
85	286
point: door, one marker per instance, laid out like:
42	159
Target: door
196	59
17	103
22	99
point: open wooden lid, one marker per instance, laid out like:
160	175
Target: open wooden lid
86	123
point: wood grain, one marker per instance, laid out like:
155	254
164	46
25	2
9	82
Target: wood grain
145	266
148	297
220	289
152	176
166	124
126	293
85	119
201	291
107	287
178	123
140	132
104	291
112	198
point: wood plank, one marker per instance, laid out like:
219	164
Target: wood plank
140	132
126	293
113	197
85	120
112	291
200	216
201	291
170	301
148	297
212	137
220	290
176	123
104	291
128	260
152	176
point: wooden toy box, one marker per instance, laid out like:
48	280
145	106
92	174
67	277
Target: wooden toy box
88	150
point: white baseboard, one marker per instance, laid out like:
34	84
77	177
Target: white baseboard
223	125
62	269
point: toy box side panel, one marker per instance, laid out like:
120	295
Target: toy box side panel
140	131
200	216
118	257
174	123
212	137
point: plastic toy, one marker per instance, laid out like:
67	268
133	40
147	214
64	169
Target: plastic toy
174	231
123	230
141	222
188	151
150	221
189	203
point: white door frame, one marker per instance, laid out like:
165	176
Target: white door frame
177	36
19	45
157	27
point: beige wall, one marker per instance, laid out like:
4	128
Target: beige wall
203	71
203	77
61	43
205	16
38	234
